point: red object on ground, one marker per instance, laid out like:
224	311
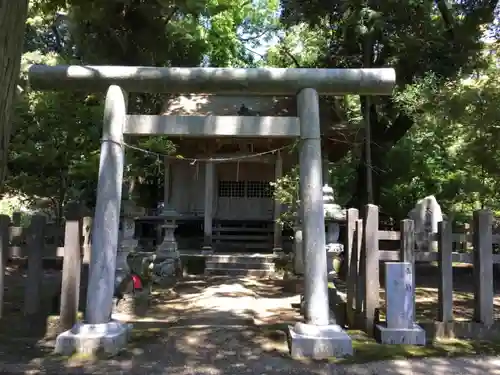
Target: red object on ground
136	282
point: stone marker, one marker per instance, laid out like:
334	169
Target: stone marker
400	327
426	215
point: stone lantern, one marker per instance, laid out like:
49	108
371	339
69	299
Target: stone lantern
167	264
334	215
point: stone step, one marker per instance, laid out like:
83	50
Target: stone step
241	237
240	265
240	258
243	230
238	272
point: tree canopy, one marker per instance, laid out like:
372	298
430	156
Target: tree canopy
435	135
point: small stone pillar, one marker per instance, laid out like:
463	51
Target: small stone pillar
127	241
167	265
400	327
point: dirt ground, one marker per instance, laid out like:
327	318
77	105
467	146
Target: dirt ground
204	322
204	325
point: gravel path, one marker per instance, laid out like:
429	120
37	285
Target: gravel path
211	326
426	366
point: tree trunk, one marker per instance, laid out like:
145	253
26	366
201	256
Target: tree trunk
13	15
383	138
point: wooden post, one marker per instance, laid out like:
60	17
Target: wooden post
351	261
483	267
371	255
209	199
70	286
35	244
407	248
445	266
360	282
4	253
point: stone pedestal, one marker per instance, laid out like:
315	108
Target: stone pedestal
319	342
83	338
400	327
167	266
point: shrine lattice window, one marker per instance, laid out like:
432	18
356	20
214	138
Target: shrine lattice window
242	189
231	189
259	189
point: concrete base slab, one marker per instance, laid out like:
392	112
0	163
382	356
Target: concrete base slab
319	342
399	336
109	338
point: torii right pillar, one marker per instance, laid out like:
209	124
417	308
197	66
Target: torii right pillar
319	336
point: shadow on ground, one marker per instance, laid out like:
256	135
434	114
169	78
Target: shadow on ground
216	325
426	298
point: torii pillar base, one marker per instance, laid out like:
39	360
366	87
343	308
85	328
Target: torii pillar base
90	339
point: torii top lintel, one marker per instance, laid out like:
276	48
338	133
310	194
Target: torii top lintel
225	81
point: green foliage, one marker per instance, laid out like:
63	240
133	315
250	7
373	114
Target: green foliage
164	32
56	136
452	153
415	37
438	134
286	190
55	148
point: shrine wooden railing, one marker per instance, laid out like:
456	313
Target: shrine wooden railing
49	243
363	256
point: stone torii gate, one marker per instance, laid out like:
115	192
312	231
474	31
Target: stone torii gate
317	337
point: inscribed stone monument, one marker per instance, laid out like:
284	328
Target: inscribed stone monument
426	215
400	308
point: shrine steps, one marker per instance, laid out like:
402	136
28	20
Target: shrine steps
242	235
259	265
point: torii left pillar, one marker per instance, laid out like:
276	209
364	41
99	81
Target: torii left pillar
98	331
319	336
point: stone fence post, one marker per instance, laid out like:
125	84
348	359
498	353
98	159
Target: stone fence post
70	285
483	267
34	279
